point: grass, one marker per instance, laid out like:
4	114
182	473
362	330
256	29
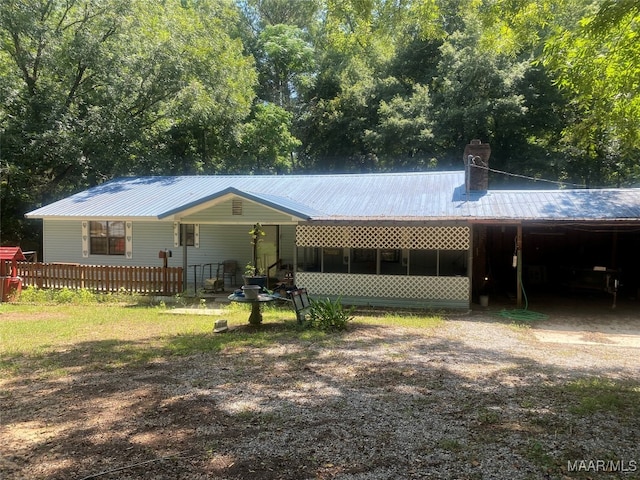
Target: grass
52	339
62	331
407	320
55	337
592	395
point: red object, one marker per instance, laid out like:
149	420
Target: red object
10	283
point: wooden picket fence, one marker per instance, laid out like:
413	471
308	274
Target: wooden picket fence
102	278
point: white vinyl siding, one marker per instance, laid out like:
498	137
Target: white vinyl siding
64	243
252	212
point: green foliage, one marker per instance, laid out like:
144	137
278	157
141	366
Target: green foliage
594	395
266	143
35	296
96	89
328	315
597	64
286	61
93	90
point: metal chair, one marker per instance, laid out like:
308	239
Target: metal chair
230	271
301	303
212	284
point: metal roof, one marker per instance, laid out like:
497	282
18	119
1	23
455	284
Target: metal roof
411	196
11	253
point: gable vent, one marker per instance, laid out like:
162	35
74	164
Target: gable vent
236	207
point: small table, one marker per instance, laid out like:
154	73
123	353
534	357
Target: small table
256	314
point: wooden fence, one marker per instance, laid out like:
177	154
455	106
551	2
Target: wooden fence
102	278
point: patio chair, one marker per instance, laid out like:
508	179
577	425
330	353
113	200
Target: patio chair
212	284
301	303
230	271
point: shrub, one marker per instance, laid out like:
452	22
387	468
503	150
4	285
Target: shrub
327	315
35	295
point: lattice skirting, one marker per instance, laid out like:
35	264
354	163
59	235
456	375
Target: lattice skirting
360	236
447	289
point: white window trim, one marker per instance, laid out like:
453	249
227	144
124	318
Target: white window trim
85	239
128	235
176	235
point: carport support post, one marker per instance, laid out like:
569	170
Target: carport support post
519	266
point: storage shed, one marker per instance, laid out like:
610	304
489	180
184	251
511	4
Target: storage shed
10	283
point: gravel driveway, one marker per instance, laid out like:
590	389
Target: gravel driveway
477	397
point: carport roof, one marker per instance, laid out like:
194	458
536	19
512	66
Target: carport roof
414	196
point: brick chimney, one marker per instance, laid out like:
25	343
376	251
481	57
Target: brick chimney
476	164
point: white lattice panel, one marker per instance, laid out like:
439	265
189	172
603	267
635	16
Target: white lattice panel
390	286
360	236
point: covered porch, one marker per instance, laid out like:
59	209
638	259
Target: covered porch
419	265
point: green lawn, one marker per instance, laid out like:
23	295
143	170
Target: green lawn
76	374
113	334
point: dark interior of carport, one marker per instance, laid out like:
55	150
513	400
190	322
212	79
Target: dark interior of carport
558	260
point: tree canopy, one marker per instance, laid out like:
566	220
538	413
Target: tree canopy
94	89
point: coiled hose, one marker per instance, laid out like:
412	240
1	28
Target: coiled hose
522	314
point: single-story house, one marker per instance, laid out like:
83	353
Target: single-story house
426	239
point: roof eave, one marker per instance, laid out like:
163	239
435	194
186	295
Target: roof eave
234	192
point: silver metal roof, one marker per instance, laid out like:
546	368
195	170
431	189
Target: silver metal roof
394	196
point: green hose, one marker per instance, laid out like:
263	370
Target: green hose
524	314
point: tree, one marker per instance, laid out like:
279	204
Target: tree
475	95
285	63
403	137
266	144
591	53
96	89
358	80
598	64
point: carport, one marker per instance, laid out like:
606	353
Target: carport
556	259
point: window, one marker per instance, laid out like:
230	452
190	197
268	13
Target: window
364	260
441	263
392	262
308	259
188	233
453	263
423	262
334	260
371	261
107	238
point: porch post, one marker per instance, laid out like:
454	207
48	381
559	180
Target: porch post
472	229
183	230
519	266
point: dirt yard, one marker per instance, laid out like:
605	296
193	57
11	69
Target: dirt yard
478	397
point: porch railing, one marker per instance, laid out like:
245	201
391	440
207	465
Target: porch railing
102	278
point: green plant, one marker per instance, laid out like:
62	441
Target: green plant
537	453
249	269
450	444
488	416
329	315
591	395
256	233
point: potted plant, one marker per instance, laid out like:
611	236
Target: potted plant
252	274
